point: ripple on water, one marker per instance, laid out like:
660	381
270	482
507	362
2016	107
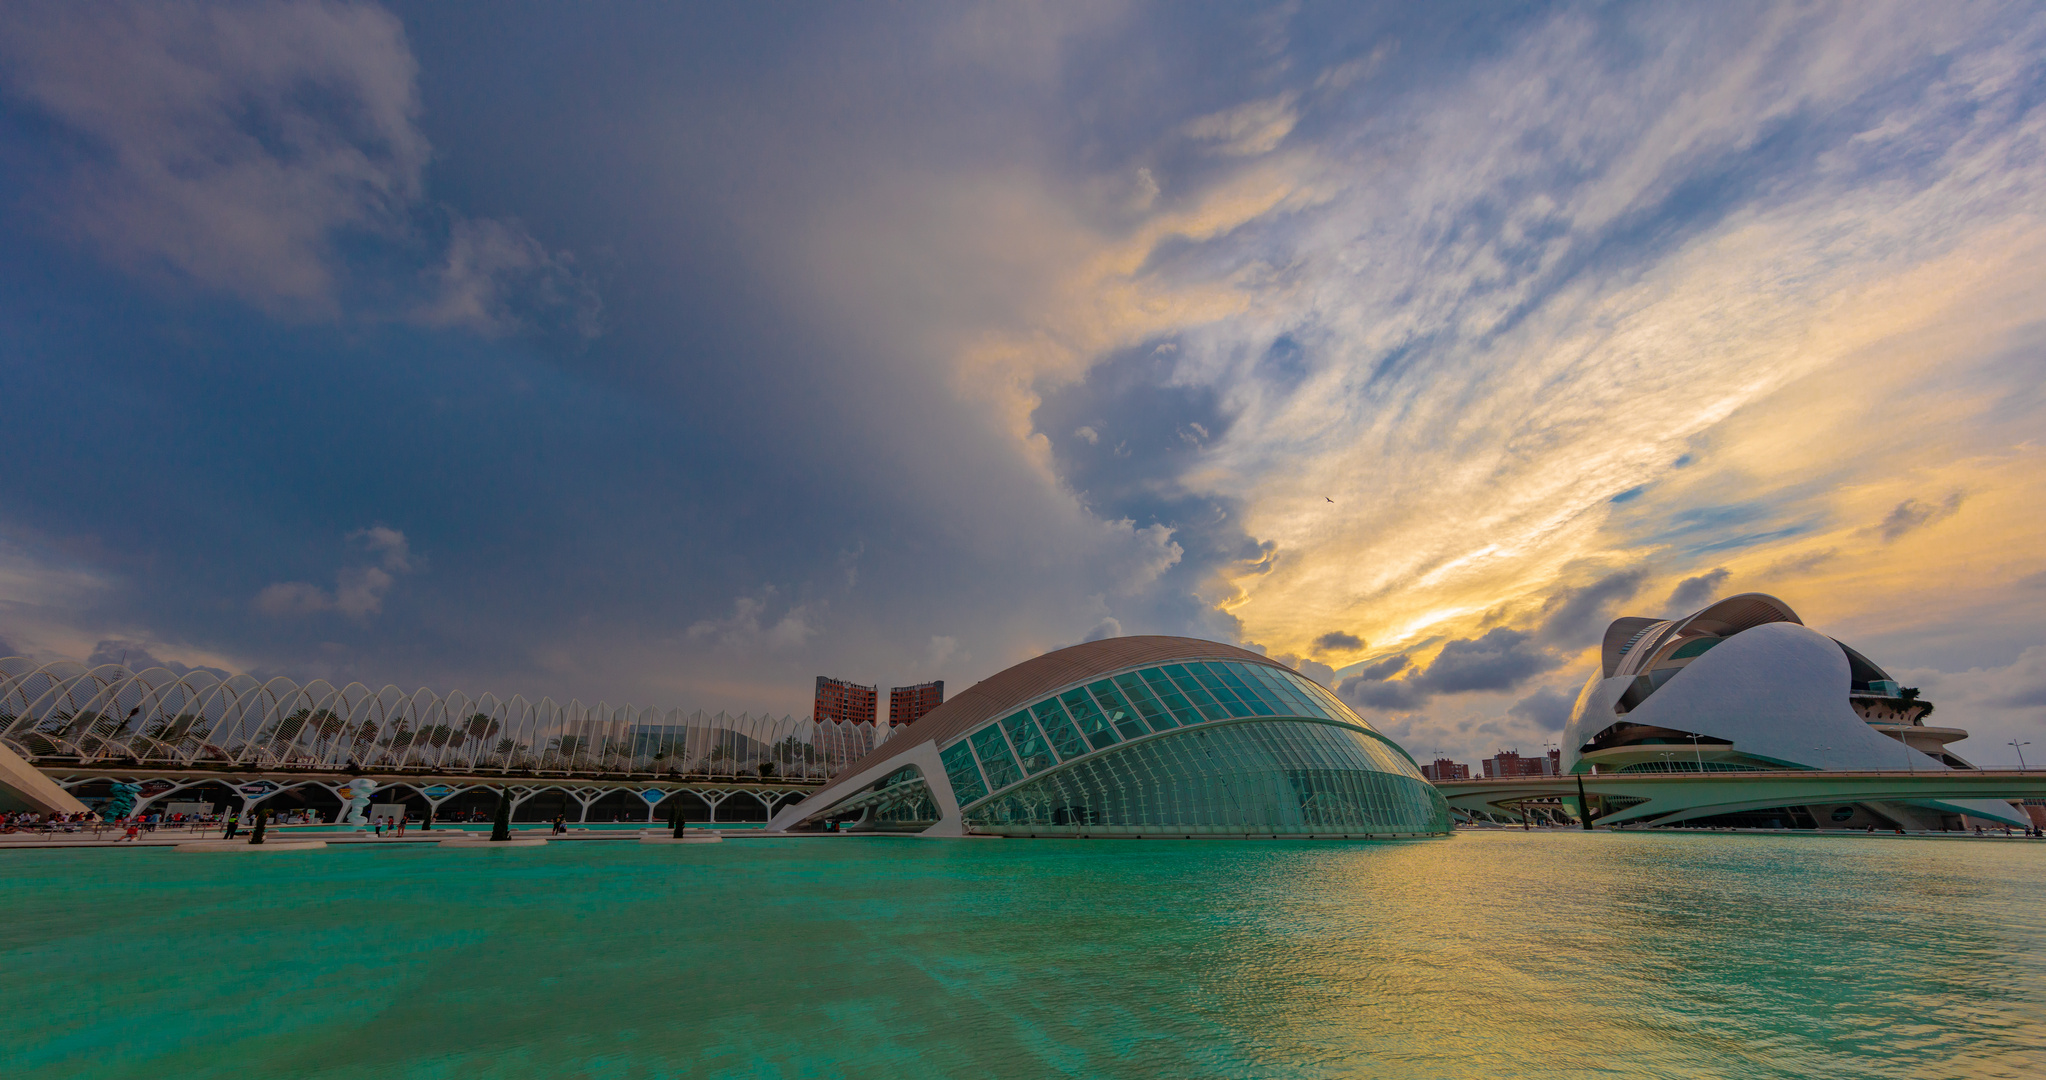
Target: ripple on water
1508	955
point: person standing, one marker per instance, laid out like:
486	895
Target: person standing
234	825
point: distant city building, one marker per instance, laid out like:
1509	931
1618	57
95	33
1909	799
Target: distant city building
908	704
845	702
1510	763
1442	769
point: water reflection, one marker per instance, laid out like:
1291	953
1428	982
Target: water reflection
1513	955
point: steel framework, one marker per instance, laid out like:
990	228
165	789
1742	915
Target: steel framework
69	714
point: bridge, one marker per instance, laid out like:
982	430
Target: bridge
1674	797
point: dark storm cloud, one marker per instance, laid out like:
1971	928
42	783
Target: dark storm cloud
1547	709
701	349
1576	617
1693	593
1500	659
1338	641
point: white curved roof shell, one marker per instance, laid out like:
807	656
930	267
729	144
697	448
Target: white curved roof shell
1774	689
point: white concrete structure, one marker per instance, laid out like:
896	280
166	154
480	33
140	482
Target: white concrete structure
69	714
1744	685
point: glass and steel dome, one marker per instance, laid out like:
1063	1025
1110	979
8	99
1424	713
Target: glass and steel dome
1137	736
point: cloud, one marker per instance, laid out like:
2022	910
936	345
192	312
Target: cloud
1798	566
1106	628
751	627
247	148
499	280
1693	593
228	144
388	544
1087	435
1577	617
1381	670
1546	709
358	592
135	656
1912	515
1338	641
1501	659
940	652
1249	129
1313	669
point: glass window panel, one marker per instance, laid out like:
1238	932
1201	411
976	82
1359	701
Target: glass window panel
1210	678
1274	688
1236	676
1030	744
964	774
1260	777
995	760
1193	692
1120	713
1064	737
1182	710
1093	725
1262	701
1135	693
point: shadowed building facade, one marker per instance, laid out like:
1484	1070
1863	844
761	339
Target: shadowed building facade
1135	736
844	702
908	704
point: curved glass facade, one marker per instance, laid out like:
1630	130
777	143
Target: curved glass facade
1260	777
1199	747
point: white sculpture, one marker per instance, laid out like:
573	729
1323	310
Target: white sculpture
355	800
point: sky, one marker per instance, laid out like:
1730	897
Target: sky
677	354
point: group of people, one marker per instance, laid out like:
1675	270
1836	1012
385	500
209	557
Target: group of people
28	821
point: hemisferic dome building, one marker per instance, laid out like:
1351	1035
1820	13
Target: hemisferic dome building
1135	736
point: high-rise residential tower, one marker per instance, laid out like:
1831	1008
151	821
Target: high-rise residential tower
846	702
908	704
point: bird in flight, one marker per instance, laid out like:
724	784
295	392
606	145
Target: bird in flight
1326	497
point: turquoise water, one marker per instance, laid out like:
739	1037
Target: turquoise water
1482	955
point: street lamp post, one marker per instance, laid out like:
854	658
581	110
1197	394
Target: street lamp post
2020	746
1696	750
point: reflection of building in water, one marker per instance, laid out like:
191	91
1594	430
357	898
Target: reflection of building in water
1744	685
1135	736
847	702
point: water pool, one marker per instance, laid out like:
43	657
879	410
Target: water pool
1495	955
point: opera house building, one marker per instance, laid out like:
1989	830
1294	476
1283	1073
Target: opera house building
1135	736
1744	685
